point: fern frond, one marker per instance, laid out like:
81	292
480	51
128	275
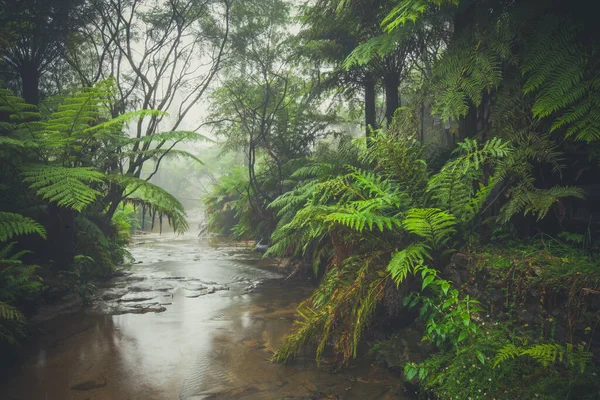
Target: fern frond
12	225
10	313
410	11
404	262
527	199
67	187
508	352
156	200
547	354
432	224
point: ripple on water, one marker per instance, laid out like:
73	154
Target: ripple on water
216	345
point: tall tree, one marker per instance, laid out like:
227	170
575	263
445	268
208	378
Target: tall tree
37	33
163	55
266	104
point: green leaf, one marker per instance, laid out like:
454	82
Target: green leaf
445	287
427	281
410	372
480	357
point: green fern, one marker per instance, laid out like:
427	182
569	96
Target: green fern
12	225
431	224
524	198
564	77
67	187
154	200
452	187
410	11
547	354
405	262
10	313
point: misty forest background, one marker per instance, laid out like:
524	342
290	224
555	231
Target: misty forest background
432	164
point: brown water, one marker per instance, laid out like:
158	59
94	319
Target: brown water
217	324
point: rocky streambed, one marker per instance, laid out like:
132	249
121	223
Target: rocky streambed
191	319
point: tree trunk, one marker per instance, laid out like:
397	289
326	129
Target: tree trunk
391	97
114	198
467	126
62	236
30	77
370	109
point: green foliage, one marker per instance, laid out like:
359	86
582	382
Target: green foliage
65	165
410	11
67	187
12	225
523	87
431	224
338	311
77	278
155	201
563	75
18	282
228	207
547	354
361	215
471	371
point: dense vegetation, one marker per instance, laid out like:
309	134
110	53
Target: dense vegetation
468	209
432	163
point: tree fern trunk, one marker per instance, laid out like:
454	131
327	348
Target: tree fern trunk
370	109
392	81
30	77
62	237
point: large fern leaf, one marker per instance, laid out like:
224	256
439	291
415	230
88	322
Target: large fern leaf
404	262
67	187
156	200
12	225
432	224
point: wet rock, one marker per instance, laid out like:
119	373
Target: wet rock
195	286
192	294
151	286
139	296
113	294
220	287
130	279
127	308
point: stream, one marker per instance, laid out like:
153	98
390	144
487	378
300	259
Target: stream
192	319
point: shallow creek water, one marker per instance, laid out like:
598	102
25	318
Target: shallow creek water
193	319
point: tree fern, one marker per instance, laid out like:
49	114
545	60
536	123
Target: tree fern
404	262
155	201
410	10
67	187
453	186
431	224
563	75
12	225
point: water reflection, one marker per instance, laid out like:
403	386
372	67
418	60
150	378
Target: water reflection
212	346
